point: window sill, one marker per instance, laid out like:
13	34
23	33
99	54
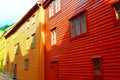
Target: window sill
79	36
55	14
97	75
51	17
27	50
26	69
54	45
33	47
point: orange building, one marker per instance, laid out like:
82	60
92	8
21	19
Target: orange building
24	46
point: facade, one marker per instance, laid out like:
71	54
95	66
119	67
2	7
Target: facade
24	46
82	39
2	51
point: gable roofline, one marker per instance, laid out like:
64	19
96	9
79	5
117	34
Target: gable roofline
6	31
2	34
22	20
46	3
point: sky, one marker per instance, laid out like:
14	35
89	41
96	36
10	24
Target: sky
12	10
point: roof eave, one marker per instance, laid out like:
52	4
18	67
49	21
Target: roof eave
22	20
46	3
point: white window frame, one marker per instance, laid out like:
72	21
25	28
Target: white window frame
33	40
53	36
27	43
57	6
82	25
33	18
16	47
28	23
51	9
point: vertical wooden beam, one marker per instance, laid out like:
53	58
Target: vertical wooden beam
41	43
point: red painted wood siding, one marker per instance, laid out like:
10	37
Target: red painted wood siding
75	56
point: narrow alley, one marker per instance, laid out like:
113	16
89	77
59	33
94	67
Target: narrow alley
3	78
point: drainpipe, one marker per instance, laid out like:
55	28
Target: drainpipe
41	43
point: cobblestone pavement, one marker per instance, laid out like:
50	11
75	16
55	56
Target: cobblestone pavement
3	78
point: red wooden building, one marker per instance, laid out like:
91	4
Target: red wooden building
82	39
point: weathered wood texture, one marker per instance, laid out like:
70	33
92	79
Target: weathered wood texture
75	55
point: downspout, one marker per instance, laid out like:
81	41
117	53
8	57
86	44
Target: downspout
41	44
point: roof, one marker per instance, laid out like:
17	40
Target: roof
22	20
6	31
46	3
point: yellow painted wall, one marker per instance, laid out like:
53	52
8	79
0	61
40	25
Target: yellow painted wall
26	30
2	50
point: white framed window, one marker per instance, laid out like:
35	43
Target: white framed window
33	18
28	24
117	11
54	7
51	9
27	43
53	36
33	40
78	25
16	48
57	6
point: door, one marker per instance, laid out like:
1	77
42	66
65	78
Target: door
14	68
54	74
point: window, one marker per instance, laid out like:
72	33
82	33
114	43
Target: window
16	49
53	36
28	24
97	66
78	25
14	36
26	64
27	43
51	9
54	7
33	19
57	3
33	40
117	11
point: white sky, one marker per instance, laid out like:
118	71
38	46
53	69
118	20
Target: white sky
12	10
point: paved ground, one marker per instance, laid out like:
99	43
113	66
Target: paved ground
3	78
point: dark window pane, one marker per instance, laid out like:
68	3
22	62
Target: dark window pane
26	64
96	63
97	70
72	28
83	23
118	14
33	41
77	26
117	7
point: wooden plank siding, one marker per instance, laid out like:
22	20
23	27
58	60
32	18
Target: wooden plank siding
75	55
27	32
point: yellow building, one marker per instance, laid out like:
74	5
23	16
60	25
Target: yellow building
2	51
24	46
